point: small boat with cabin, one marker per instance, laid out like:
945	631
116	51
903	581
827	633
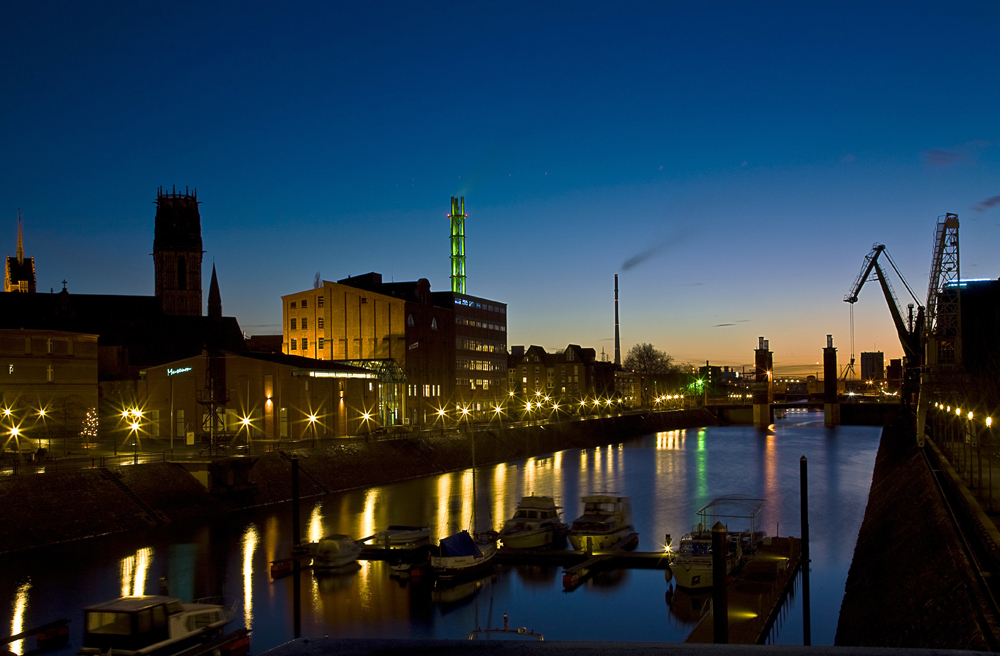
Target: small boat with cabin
691	567
536	523
605	521
156	625
335	551
461	555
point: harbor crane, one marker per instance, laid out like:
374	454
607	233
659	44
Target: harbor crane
910	330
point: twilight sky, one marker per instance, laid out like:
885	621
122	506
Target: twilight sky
733	161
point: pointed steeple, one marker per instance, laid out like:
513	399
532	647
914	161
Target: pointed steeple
214	297
20	239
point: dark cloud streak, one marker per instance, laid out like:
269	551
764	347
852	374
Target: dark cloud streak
987	204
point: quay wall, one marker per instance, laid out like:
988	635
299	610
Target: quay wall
50	508
910	585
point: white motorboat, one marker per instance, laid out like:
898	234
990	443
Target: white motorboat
155	625
692	564
606	520
402	537
536	523
334	551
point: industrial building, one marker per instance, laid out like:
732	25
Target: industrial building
268	397
451	346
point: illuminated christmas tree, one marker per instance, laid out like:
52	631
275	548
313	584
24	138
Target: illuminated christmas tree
89	429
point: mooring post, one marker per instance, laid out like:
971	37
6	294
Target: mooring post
296	569
804	496
720	599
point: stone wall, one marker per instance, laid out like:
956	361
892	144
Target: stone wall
44	509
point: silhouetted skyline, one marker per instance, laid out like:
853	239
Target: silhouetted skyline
733	163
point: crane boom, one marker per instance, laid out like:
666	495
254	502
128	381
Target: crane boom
908	338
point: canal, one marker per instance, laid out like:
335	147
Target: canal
668	475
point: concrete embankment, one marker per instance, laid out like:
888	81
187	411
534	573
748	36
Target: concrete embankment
45	509
910	583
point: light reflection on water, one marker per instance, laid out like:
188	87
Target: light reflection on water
17	621
668	476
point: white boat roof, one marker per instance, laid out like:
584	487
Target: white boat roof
131	604
604	498
536	502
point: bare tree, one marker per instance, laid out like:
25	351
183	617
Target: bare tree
646	359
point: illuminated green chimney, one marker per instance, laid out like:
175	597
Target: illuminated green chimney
457	217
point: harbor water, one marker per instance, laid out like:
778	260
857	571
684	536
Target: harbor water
668	475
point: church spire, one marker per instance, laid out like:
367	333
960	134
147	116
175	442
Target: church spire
20	239
214	297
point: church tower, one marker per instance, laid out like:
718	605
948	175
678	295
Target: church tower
19	273
177	252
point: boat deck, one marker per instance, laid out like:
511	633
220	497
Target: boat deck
756	594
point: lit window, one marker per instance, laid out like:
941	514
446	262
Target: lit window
291	324
434	324
293	346
319	321
320	344
409	321
319	302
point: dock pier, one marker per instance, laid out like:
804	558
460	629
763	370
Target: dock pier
756	594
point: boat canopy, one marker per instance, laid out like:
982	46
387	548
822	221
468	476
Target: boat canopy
460	544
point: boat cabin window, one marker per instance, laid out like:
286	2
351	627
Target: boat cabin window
197	621
109	623
174	607
696	547
599	507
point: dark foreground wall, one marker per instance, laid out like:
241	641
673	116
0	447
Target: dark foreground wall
44	509
910	584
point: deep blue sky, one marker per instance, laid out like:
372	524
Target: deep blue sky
754	152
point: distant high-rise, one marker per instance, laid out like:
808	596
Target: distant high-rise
873	365
177	252
19	273
458	217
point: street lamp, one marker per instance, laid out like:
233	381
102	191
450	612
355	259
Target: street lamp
441	415
312	425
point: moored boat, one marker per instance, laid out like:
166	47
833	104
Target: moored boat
402	537
334	551
462	555
536	523
605	521
155	625
691	567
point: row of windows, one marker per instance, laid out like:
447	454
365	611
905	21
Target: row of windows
473	383
305	323
292	345
428	390
462	343
480	365
472	323
479	306
305	303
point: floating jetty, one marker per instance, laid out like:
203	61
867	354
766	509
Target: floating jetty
756	594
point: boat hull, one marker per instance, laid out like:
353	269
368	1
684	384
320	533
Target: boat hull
534	538
598	541
457	567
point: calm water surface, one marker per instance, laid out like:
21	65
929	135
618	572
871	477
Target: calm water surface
669	476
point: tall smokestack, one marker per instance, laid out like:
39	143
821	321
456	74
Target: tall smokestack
618	343
458	217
